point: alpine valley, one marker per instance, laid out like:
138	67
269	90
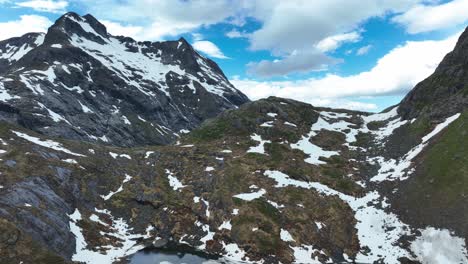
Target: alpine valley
110	146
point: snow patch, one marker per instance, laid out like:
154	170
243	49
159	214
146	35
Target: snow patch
439	246
250	196
46	143
108	196
260	148
173	181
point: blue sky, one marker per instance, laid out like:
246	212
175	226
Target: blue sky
363	55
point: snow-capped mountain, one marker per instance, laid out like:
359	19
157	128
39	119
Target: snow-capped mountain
11	50
79	82
271	181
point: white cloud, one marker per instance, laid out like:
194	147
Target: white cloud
395	73
209	48
197	36
363	50
158	30
334	42
26	24
234	33
309	22
118	29
163	18
296	62
286	27
45	5
425	18
322	25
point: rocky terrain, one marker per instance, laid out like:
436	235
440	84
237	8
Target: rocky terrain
273	181
79	82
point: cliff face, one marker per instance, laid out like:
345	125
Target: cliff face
445	92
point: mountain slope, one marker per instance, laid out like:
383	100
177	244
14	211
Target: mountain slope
82	83
445	92
13	49
275	180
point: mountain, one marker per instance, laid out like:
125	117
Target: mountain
15	48
79	82
443	93
272	181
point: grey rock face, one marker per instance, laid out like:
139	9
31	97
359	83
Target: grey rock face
11	50
82	83
445	92
49	227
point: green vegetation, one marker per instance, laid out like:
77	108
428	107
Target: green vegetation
445	165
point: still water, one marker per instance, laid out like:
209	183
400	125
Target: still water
168	256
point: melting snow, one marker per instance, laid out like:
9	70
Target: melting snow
392	169
286	236
314	151
233	252
267	124
208	169
108	196
85	108
251	196
381	116
173	181
260	148
56	117
4	95
47	143
290	124
436	246
303	254
377	229
71	161
209	235
116	155
225	225
107	254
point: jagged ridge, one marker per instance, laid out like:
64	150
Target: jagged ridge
85	84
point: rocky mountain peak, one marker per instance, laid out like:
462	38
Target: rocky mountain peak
83	83
72	25
11	50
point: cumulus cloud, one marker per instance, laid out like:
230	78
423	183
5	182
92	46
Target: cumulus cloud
26	24
298	61
285	27
309	22
163	18
395	73
334	42
118	29
234	33
45	5
363	50
425	18
209	48
158	30
320	25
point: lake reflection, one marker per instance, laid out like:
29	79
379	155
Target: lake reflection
153	256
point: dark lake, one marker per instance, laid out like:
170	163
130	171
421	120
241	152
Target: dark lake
173	256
